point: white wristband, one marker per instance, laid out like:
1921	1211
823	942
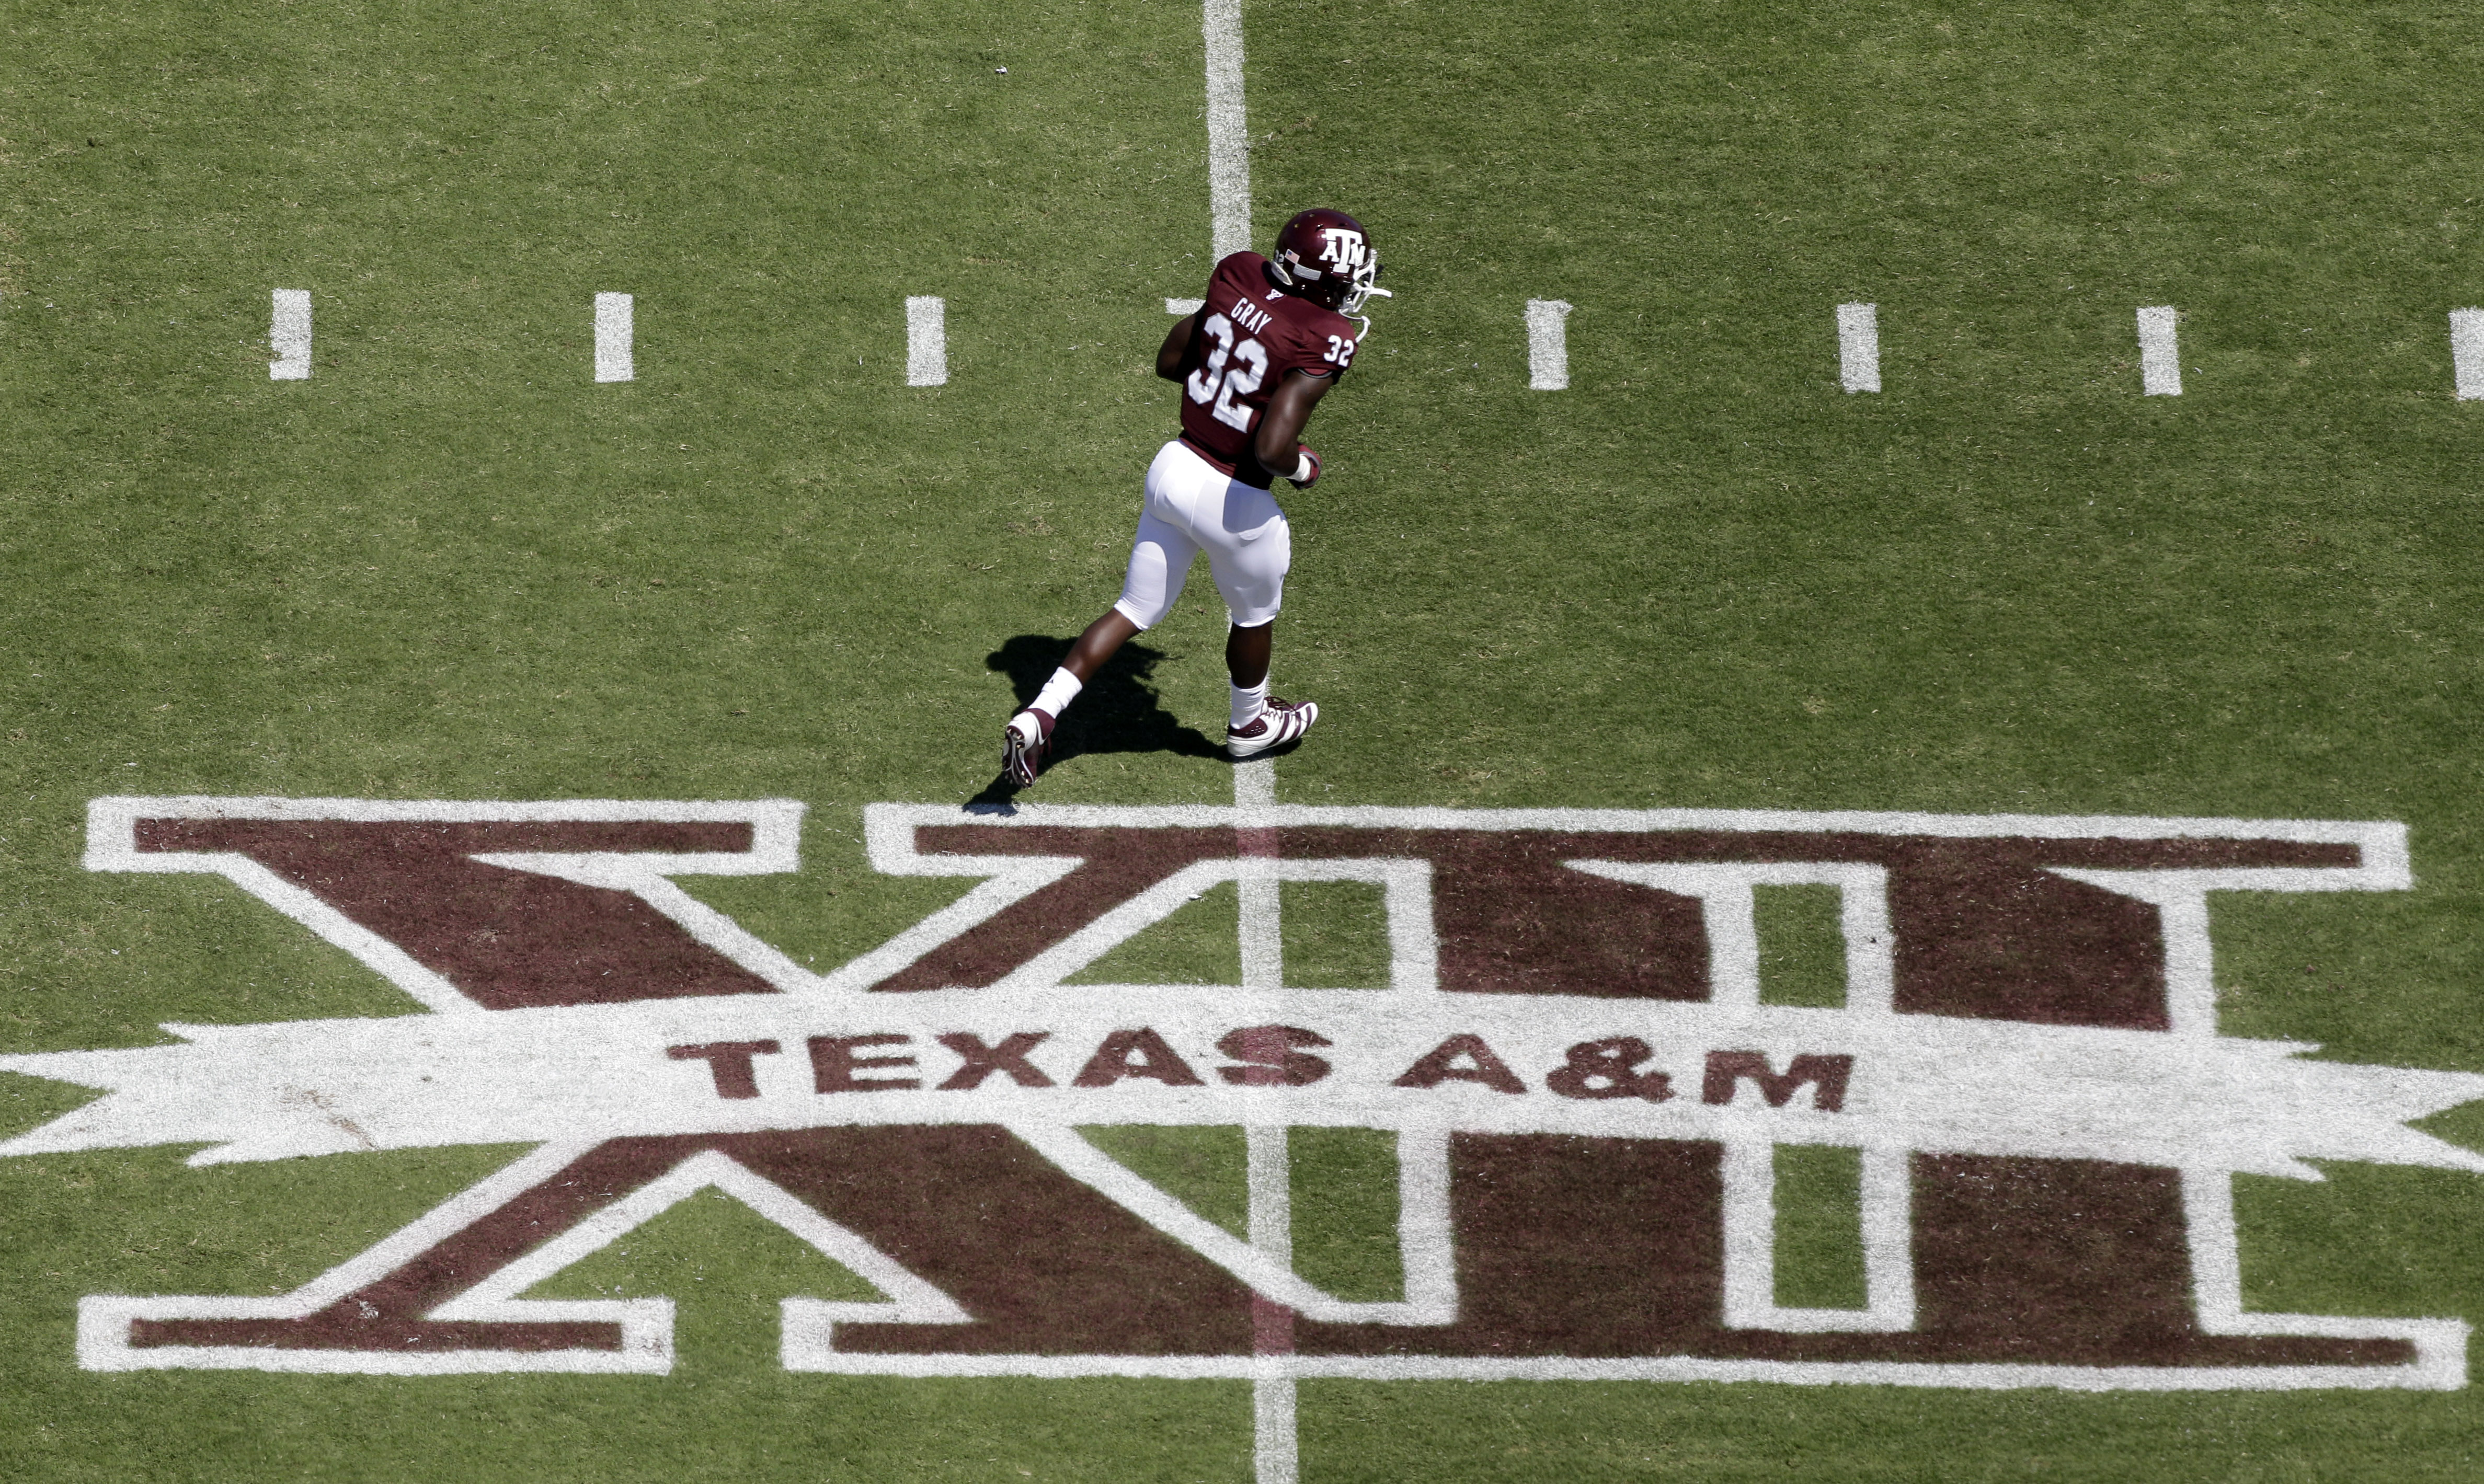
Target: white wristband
1302	467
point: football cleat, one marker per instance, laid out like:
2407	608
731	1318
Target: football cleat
1022	746
1280	723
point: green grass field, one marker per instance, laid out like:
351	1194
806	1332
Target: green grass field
450	566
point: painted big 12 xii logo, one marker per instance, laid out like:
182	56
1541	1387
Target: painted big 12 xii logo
1584	1088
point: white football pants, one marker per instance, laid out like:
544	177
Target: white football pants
1192	506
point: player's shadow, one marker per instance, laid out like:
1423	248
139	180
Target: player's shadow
1117	712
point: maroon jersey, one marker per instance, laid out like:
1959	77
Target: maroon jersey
1251	334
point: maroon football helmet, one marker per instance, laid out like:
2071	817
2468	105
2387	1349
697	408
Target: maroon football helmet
1326	257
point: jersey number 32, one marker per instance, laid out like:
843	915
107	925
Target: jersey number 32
1231	371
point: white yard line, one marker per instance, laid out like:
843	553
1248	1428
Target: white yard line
2160	355
613	334
927	340
1229	135
1264	967
288	335
1275	1444
1275	1438
1548	345
2467	352
1272	1452
1858	347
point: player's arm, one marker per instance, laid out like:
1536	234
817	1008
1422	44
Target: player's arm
1174	353
1280	441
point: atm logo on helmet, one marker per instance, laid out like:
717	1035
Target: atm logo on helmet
1570	1056
1345	246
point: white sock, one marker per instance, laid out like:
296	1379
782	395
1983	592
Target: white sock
1057	693
1248	704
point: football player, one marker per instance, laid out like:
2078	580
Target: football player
1272	337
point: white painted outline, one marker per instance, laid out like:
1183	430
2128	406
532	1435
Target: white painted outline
889	839
2217	1284
1259	1266
2440	1366
1751	1242
2181	901
288	335
1858	347
775	823
2440	1344
1426	1239
889	829
646	1324
1406	894
808	1324
104	1320
1729	911
1264	1259
1725	893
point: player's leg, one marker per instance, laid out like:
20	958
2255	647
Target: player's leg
1246	655
1102	639
1257	723
1160	559
1250	551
